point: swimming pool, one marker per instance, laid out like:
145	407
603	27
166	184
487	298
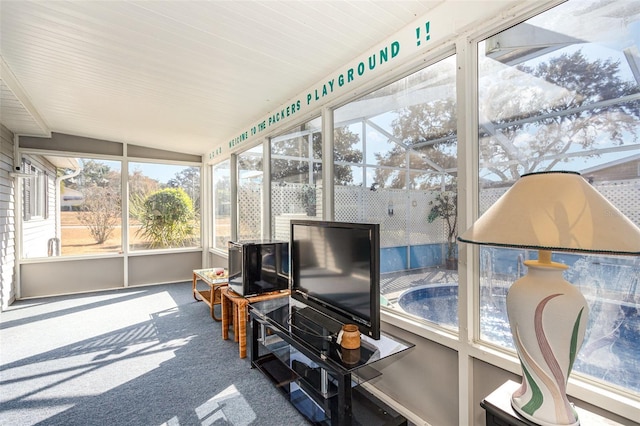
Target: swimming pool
434	302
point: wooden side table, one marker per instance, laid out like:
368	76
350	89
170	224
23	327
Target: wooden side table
210	296
234	312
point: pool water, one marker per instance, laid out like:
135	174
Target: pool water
434	302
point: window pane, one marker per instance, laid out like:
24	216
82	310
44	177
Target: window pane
250	193
35	189
81	216
296	171
348	146
164	206
577	108
395	164
221	204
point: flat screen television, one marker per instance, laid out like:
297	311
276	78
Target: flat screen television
335	269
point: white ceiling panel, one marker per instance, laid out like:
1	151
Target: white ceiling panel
177	75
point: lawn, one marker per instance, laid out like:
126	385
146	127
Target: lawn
76	238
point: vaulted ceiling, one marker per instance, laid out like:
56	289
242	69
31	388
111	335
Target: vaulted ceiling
176	75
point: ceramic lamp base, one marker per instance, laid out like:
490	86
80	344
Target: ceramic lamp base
548	318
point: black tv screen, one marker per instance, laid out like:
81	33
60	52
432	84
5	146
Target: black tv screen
335	268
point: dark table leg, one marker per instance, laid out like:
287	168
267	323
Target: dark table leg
255	325
344	400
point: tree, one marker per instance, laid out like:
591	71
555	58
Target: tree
189	180
168	219
307	197
427	131
346	150
568	103
140	186
305	163
249	162
101	208
299	157
445	206
100	212
95	173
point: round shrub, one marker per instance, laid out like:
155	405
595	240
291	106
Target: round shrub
167	219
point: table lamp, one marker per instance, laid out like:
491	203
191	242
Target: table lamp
550	211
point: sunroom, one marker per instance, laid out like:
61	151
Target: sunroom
421	130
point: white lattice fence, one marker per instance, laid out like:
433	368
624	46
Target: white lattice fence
488	197
625	195
286	205
408	224
393	224
283	224
285	199
421	231
250	211
348	202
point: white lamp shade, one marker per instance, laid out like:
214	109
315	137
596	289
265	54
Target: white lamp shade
555	211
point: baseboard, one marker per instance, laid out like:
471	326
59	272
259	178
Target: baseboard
411	417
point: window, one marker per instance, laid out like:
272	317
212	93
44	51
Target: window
250	193
296	176
35	192
86	202
577	108
221	204
395	163
164	206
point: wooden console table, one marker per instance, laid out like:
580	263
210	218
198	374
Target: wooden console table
210	296
234	311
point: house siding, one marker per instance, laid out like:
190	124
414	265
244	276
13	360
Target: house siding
627	170
37	232
7	221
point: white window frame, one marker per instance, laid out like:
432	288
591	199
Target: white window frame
35	193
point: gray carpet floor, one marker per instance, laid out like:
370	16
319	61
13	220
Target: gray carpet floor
140	356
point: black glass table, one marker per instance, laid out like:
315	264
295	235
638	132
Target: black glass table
296	347
499	411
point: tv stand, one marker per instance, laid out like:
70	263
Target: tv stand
319	378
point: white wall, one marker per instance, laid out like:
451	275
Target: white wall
37	232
